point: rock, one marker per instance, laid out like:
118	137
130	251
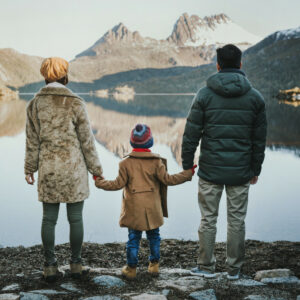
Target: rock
9	297
175	271
247	282
165	292
69	286
149	297
11	287
48	292
20	275
184	284
32	296
282	280
105	297
259	297
298	297
108	281
272	273
204	295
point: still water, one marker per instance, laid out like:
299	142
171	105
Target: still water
273	212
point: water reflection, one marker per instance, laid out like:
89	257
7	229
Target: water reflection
273	205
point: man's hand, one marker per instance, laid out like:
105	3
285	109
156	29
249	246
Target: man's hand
30	178
254	180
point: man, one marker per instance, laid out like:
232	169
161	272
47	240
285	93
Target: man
228	115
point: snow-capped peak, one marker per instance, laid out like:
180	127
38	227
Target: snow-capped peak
217	29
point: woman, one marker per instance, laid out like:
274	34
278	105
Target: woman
60	146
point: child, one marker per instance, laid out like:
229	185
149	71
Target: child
144	177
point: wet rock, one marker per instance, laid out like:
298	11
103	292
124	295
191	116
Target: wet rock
9	297
32	296
165	292
298	297
184	284
169	272
20	275
105	297
282	280
146	296
108	281
247	282
48	292
11	287
272	273
204	295
259	297
107	271
69	286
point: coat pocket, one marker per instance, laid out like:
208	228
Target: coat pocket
143	189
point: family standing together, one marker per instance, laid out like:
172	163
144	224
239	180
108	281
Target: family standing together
228	117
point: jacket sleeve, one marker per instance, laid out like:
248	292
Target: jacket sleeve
32	141
86	139
114	185
192	133
167	179
259	139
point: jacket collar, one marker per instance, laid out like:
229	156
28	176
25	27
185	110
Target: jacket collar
143	155
57	91
232	70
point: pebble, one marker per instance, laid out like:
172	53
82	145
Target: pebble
204	295
272	273
11	287
149	297
184	284
32	296
108	281
247	282
69	286
282	280
9	297
105	297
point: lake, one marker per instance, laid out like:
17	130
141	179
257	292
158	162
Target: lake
273	212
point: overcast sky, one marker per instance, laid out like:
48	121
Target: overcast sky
67	27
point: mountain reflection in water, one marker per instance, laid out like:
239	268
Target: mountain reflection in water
273	204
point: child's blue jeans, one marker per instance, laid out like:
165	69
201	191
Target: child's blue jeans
133	245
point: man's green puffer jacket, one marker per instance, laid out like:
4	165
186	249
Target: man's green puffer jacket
229	117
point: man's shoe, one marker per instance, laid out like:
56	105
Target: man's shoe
129	272
77	270
197	272
50	273
233	276
153	268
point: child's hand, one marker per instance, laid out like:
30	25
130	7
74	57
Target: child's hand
193	169
96	177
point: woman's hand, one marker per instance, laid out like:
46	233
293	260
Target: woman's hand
30	178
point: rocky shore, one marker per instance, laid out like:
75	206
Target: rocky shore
21	270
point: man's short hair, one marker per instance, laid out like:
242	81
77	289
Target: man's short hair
229	56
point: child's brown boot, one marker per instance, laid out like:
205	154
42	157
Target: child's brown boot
153	268
129	272
77	270
50	273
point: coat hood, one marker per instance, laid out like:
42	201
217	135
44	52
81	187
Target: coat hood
229	84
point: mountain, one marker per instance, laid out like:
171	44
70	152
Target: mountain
192	43
17	69
282	35
217	29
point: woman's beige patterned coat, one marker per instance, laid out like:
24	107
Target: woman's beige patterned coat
60	145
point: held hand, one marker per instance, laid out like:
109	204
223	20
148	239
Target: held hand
98	177
30	178
254	180
193	169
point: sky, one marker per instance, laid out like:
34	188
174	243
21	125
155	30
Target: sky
67	27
